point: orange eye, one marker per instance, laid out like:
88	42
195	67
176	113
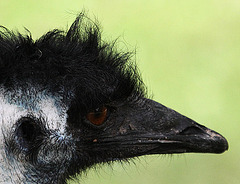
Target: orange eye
98	116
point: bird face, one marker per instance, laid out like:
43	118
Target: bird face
69	101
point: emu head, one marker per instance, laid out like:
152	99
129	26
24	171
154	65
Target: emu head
69	101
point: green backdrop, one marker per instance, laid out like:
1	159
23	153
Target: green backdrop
188	53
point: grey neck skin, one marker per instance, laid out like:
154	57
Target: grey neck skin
13	167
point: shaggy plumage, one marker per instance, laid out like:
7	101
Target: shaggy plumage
69	101
77	61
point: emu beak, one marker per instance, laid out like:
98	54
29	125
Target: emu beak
152	128
167	131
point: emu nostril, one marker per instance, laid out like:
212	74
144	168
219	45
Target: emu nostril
192	131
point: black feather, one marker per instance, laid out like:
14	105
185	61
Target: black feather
69	62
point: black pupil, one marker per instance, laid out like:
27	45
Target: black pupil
98	112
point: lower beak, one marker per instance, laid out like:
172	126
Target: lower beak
198	139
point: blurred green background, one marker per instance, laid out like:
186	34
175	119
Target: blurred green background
188	53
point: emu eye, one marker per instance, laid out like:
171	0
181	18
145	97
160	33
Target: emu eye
98	116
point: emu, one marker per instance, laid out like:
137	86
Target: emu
69	101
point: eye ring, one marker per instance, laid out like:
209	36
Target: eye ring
98	116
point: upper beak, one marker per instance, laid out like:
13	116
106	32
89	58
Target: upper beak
167	131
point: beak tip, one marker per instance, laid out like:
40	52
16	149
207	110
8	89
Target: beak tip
221	143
